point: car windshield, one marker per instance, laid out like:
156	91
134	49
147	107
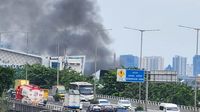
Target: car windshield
172	108
124	101
86	90
61	91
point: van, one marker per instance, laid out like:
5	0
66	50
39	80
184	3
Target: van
169	107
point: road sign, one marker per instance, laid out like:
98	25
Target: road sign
124	75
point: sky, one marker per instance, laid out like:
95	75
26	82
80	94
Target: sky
165	15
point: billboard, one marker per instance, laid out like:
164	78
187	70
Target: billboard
124	75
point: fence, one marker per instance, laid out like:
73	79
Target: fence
151	104
13	105
18	106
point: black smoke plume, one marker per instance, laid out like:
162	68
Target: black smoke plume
74	24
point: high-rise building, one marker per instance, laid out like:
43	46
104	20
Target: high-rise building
129	61
153	63
169	68
189	70
179	65
196	65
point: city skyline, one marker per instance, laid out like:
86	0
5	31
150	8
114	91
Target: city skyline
171	40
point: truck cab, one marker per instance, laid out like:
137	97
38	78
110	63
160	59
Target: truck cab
59	90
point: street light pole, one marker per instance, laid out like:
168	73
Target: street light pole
58	64
27	54
141	49
95	62
0	40
197	49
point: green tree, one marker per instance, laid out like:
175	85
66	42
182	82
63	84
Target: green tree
6	78
69	75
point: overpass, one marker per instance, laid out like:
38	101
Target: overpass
153	106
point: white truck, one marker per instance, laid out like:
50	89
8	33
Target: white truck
72	100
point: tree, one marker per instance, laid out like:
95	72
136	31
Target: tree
6	78
69	75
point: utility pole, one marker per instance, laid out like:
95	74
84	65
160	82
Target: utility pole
95	61
197	49
26	67
0	39
141	50
58	64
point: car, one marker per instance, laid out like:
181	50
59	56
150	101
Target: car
169	107
94	108
103	102
121	109
124	103
107	108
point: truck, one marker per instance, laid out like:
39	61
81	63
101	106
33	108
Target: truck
72	100
20	82
30	94
59	90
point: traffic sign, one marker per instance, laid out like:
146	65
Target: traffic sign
124	75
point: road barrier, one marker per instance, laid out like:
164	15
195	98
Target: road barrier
54	107
152	104
15	105
18	106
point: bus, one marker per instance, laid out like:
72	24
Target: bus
85	89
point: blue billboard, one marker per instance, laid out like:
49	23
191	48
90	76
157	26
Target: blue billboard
124	75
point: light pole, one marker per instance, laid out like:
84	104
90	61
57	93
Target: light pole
95	61
0	39
27	54
141	45
58	64
197	44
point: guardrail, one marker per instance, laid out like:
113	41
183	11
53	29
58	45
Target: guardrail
152	103
15	105
54	107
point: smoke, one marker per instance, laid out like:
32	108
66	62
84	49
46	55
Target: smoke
74	24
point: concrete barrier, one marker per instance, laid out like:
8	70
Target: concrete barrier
152	103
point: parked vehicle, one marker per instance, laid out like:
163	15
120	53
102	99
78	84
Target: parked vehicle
124	103
103	102
169	107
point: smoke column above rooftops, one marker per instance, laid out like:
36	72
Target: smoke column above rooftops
74	24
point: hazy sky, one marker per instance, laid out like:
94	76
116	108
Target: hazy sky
165	15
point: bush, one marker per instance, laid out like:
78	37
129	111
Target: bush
139	108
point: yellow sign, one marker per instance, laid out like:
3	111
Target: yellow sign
121	73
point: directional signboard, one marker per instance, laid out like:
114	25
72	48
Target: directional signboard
124	75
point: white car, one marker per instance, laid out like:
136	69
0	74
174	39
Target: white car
169	107
124	104
103	102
